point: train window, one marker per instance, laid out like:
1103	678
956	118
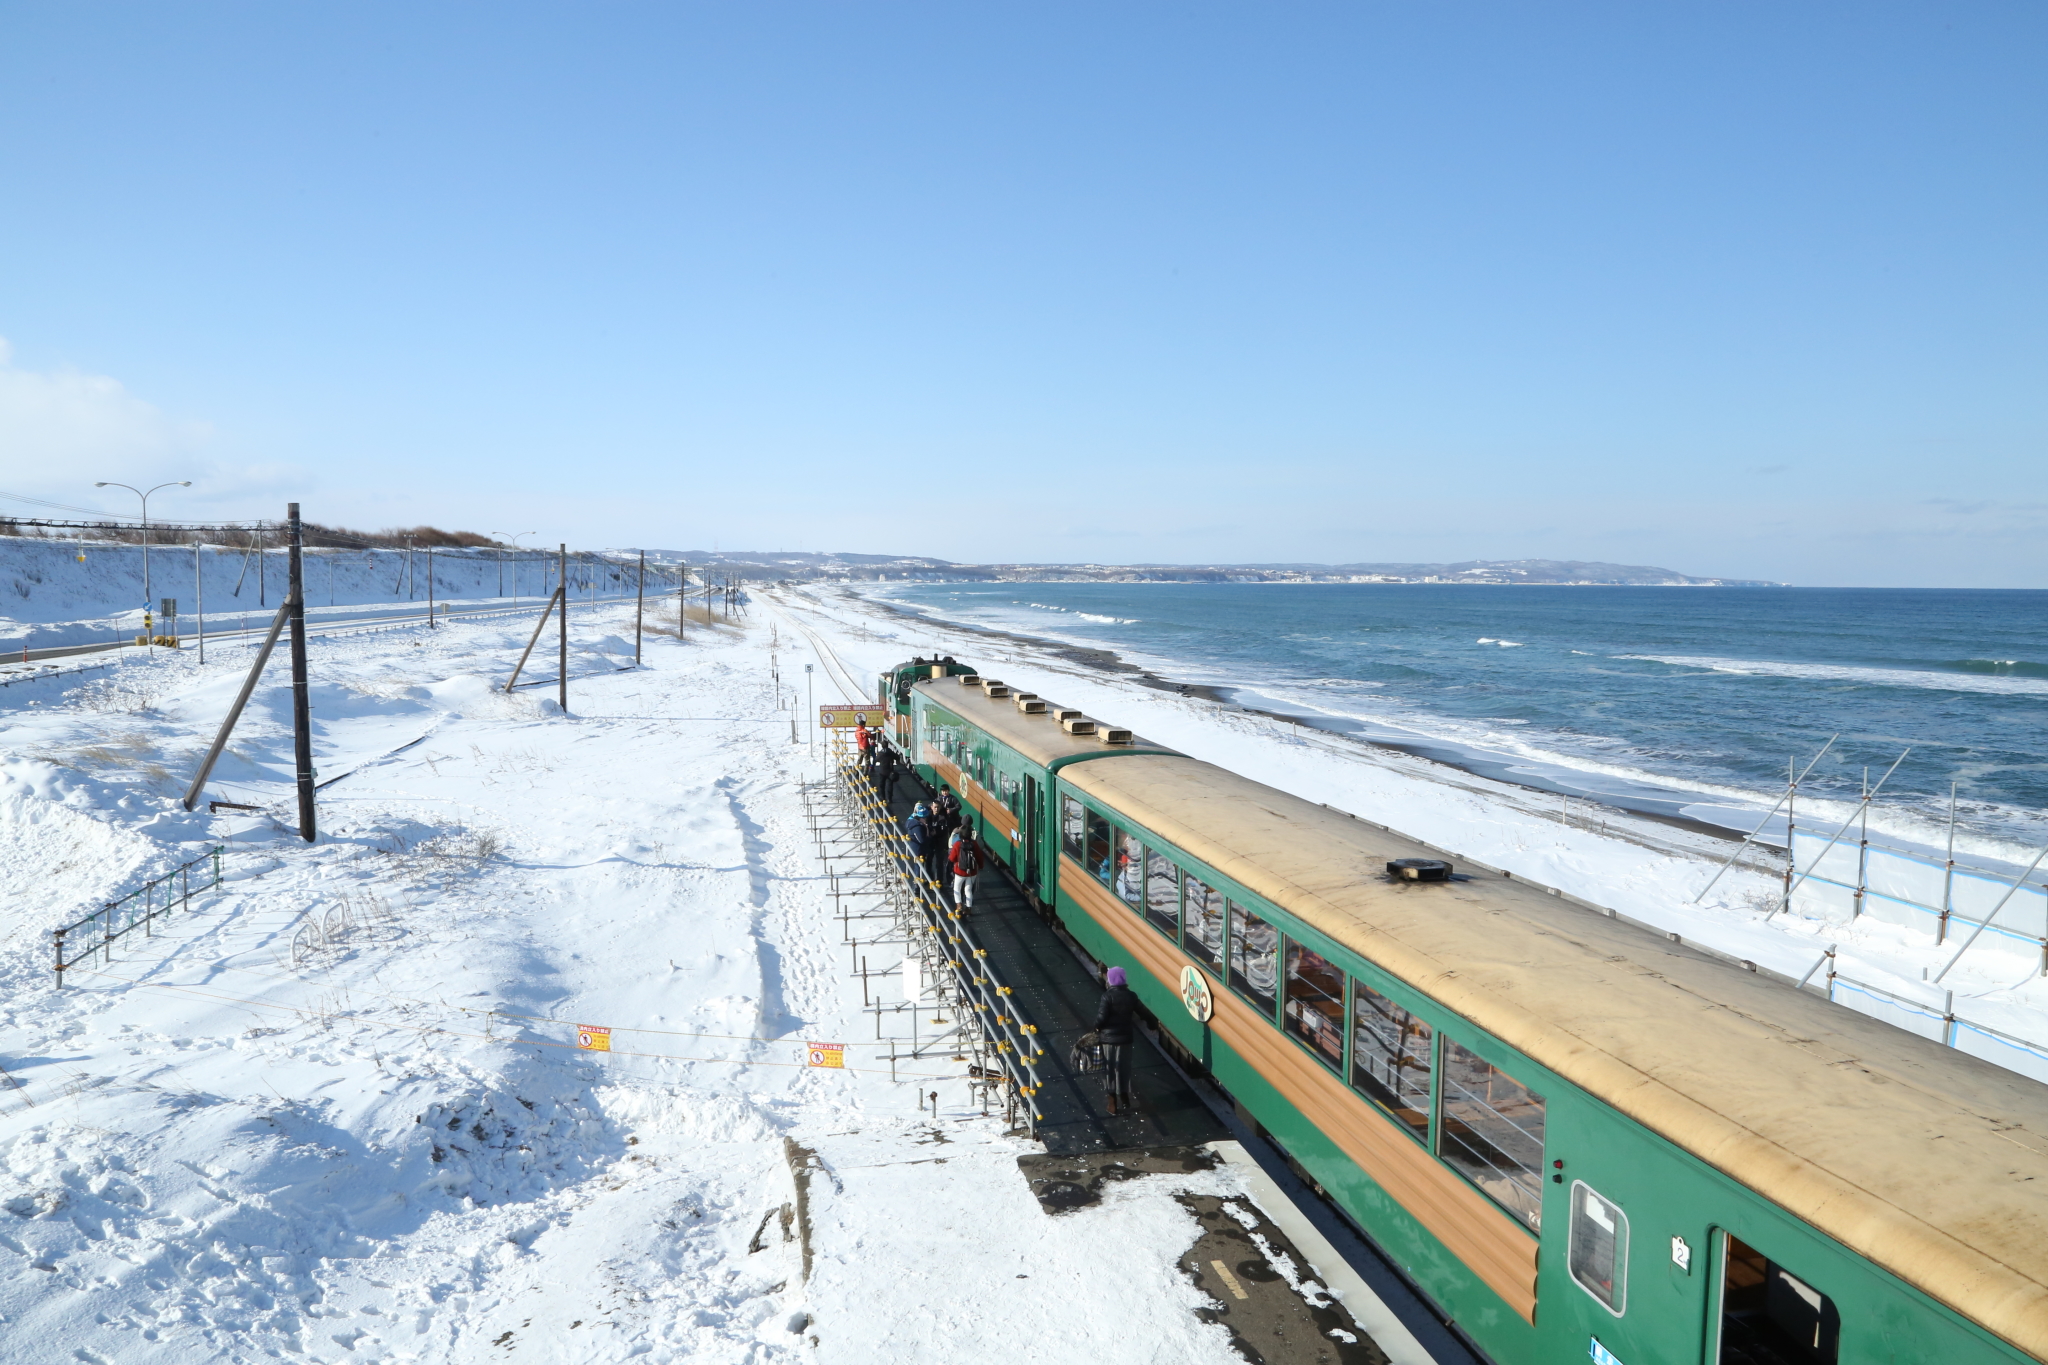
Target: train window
1162	894
1204	936
1390	1058
1071	824
1770	1316
1491	1131
1127	876
1315	1004
1254	958
1097	857
1598	1255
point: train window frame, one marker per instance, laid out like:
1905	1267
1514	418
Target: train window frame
1531	1217
1424	1132
1073	829
1723	1241
1583	1214
1241	983
1154	856
1340	1026
1211	893
1122	844
1096	820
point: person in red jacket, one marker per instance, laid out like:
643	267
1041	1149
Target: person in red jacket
967	861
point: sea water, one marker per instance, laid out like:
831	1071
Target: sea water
1687	701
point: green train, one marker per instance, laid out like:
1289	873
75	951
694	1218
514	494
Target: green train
1578	1138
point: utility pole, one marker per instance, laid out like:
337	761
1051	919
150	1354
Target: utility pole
639	606
682	598
562	683
430	587
302	718
810	703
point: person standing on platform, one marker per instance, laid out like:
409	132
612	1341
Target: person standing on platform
945	819
918	829
967	862
1114	1021
885	770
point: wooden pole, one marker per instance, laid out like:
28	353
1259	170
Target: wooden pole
562	689
302	713
199	597
430	587
639	605
538	627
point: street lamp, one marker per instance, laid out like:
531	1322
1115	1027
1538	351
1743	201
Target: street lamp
174	483
515	561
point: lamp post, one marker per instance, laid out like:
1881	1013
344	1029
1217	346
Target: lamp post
174	483
515	560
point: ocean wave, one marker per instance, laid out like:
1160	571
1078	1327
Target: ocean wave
1084	615
1882	677
1504	644
2000	668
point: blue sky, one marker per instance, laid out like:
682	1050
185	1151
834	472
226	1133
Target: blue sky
1743	289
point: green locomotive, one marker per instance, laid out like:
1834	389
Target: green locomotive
1576	1137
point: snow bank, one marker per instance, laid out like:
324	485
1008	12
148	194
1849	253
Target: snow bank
337	1113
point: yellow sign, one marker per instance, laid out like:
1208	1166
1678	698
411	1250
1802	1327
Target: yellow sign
826	1054
593	1038
846	715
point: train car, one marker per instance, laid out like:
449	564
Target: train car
1576	1137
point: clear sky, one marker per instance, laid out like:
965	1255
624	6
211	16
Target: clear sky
1749	289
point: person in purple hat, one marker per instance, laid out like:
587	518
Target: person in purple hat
1113	1031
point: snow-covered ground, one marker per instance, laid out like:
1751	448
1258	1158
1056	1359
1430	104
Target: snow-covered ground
337	1111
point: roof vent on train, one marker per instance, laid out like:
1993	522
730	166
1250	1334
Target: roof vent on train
1419	870
1110	734
1078	724
1031	704
970	679
1063	714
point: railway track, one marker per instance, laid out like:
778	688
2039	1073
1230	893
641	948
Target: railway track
836	671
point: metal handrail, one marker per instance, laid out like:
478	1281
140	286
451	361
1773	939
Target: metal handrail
101	923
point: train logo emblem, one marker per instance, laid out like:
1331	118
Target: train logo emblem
1195	994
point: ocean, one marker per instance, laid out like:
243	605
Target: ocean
1678	701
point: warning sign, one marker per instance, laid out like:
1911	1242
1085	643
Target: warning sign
847	715
826	1054
593	1038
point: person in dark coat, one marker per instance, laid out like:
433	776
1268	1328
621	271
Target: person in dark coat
945	819
1115	1019
918	830
886	769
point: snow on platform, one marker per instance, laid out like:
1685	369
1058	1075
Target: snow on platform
337	1112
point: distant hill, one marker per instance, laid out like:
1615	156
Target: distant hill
847	567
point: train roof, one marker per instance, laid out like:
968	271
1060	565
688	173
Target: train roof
1924	1160
1038	738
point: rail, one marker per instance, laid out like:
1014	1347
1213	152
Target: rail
139	909
1005	1043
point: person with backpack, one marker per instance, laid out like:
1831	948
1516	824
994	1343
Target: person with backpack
1114	1024
967	862
918	830
885	769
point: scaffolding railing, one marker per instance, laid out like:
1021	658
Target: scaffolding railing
853	825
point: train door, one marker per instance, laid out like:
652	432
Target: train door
1034	801
1767	1315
